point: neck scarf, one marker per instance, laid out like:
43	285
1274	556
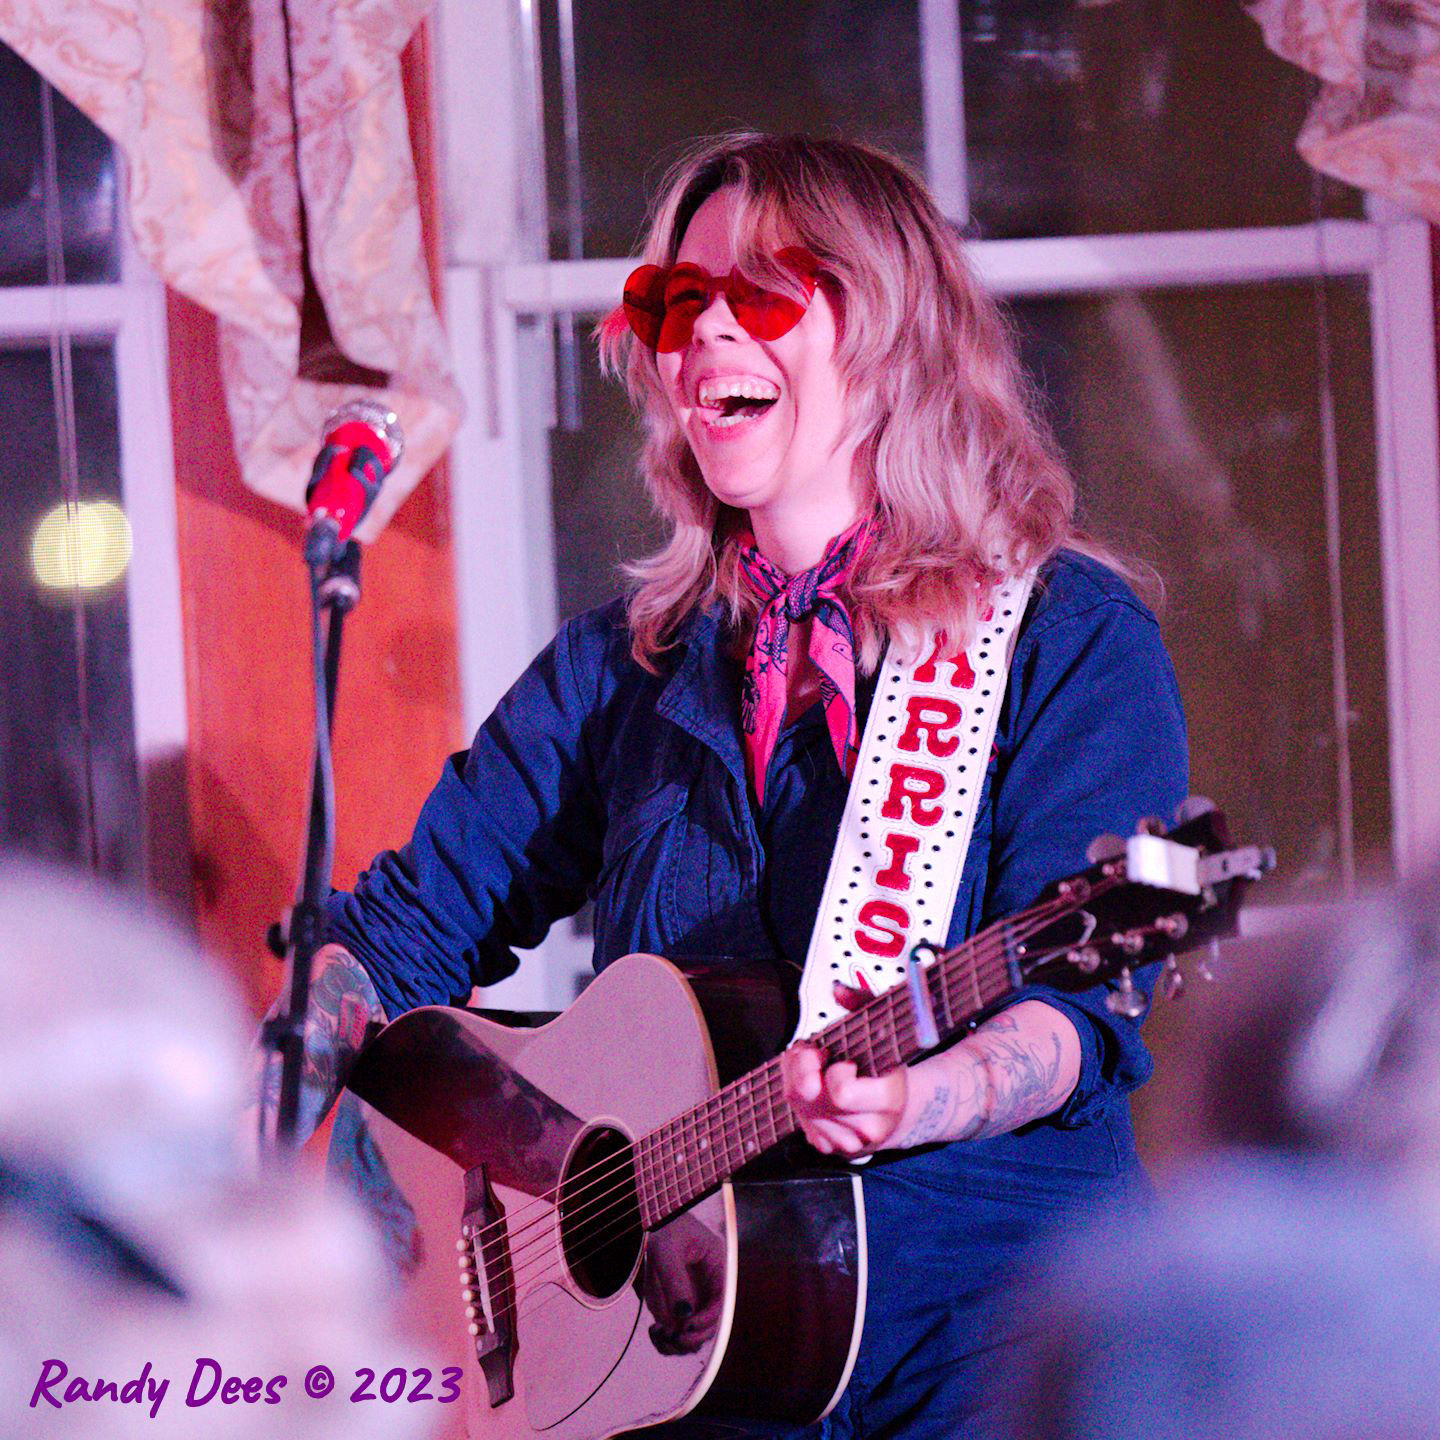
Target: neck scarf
790	599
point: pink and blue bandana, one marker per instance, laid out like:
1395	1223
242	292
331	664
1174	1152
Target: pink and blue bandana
790	599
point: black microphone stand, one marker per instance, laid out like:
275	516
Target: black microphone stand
334	592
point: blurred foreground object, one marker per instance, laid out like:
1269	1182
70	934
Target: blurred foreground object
130	1230
1289	1282
1265	1302
1325	1043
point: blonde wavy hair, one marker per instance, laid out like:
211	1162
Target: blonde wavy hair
961	470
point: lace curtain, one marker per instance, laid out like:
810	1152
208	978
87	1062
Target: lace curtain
271	180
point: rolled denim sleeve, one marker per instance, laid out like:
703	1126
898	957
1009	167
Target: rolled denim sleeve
1095	740
506	843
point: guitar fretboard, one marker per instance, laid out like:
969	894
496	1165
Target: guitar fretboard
691	1154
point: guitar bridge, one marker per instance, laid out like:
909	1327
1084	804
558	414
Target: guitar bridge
488	1285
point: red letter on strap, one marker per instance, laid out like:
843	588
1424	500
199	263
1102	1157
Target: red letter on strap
931	716
901	847
917	785
885	943
963	677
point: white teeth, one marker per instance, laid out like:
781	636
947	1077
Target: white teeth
738	387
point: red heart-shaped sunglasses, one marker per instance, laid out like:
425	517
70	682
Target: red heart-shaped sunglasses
662	302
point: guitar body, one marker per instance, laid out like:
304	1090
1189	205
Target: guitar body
642	1136
640	1046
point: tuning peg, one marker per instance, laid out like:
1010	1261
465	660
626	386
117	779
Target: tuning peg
1192	807
1125	1000
1172	981
1103	848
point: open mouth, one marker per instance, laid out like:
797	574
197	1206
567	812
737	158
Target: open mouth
726	404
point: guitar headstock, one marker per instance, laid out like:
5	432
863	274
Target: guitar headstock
1147	898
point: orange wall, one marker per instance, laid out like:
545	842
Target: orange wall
247	663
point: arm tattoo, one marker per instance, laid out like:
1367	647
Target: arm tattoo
998	1079
931	1121
1021	1076
526	1132
343	1005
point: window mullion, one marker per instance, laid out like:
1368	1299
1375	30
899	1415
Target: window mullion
942	78
29	312
1408	470
1045	266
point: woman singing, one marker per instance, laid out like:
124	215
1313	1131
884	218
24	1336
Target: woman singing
847	459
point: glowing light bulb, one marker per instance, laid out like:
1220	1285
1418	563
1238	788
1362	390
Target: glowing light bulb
81	547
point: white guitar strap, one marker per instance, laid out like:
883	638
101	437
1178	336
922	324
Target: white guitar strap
911	811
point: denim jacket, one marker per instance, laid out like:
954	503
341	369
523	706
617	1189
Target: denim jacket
595	779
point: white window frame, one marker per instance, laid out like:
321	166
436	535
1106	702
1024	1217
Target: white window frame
503	296
131	314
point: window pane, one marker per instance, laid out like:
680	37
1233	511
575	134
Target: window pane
601	514
87	177
47	704
1131	115
1191	419
652	75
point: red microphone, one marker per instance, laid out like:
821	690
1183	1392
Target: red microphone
362	443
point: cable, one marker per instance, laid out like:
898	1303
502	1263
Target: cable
62	389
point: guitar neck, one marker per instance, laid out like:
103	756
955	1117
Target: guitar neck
694	1152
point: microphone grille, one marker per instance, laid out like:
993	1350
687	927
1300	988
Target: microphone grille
380	418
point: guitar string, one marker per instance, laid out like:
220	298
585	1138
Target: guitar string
531	1303
616	1223
613	1228
606	1226
982	953
749	1109
611	1219
760	1104
771	1095
603	1236
1041	915
614	1208
895	1018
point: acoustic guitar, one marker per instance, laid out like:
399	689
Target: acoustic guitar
647	1125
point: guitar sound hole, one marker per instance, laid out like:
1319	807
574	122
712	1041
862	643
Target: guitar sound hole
600	1230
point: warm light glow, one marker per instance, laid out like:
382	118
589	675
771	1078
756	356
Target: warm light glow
84	546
